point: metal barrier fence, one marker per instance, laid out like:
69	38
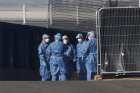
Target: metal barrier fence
118	40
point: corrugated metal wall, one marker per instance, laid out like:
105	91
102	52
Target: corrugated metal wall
78	15
128	3
121	3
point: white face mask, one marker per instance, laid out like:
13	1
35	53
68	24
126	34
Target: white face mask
47	40
89	38
65	41
80	40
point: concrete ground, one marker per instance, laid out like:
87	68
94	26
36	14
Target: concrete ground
120	85
101	86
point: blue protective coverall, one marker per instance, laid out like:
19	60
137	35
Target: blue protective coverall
91	58
69	58
44	65
57	66
80	60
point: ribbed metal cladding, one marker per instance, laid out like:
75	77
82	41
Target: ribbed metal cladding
76	15
128	3
121	3
119	33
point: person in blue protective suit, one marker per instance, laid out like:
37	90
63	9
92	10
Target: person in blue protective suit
44	65
80	59
56	52
91	55
69	54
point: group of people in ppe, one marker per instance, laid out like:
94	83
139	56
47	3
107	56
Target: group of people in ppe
58	58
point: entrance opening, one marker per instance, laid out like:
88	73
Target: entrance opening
18	50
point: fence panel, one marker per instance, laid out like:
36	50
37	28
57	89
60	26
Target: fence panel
119	40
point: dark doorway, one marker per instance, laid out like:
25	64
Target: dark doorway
18	50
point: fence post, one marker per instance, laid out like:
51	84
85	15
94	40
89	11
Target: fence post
97	42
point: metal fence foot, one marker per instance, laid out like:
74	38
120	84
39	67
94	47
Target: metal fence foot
97	77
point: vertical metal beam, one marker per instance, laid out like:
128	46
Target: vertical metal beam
139	3
77	14
47	15
24	13
50	13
